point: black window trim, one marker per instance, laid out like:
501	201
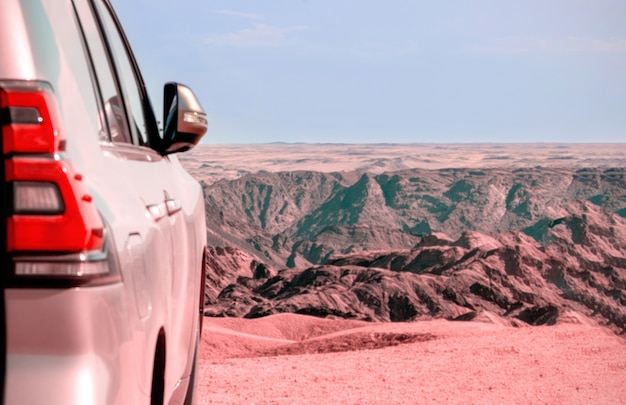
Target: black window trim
154	140
92	73
122	150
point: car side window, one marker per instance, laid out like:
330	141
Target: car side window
112	112
140	126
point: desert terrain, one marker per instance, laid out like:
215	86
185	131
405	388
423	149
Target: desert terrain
458	273
209	163
295	359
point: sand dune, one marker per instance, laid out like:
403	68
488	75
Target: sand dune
294	359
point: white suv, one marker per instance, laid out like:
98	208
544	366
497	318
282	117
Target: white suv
102	237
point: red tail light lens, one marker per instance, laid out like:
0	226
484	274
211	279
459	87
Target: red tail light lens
30	119
53	227
75	228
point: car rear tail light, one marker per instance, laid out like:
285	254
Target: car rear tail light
30	197
25	115
52	268
53	228
77	228
30	118
66	270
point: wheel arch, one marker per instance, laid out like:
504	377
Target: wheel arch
157	390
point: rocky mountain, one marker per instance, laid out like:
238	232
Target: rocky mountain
298	219
529	245
575	263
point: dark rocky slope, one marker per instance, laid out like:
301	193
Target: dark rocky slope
565	256
298	219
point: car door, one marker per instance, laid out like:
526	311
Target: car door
142	201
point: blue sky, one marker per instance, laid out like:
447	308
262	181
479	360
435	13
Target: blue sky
390	71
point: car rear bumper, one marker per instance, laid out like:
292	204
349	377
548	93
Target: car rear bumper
70	346
46	379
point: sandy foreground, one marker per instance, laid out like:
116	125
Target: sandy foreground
295	359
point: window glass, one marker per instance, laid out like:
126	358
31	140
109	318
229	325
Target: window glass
60	58
112	107
133	97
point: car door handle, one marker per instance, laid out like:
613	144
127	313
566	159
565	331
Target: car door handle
172	205
168	207
157	211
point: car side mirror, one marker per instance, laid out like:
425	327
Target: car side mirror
185	122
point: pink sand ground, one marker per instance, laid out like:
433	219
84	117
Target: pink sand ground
294	359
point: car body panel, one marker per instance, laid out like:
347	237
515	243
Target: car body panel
65	346
96	344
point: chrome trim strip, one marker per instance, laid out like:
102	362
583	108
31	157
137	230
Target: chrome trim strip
129	151
173	206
